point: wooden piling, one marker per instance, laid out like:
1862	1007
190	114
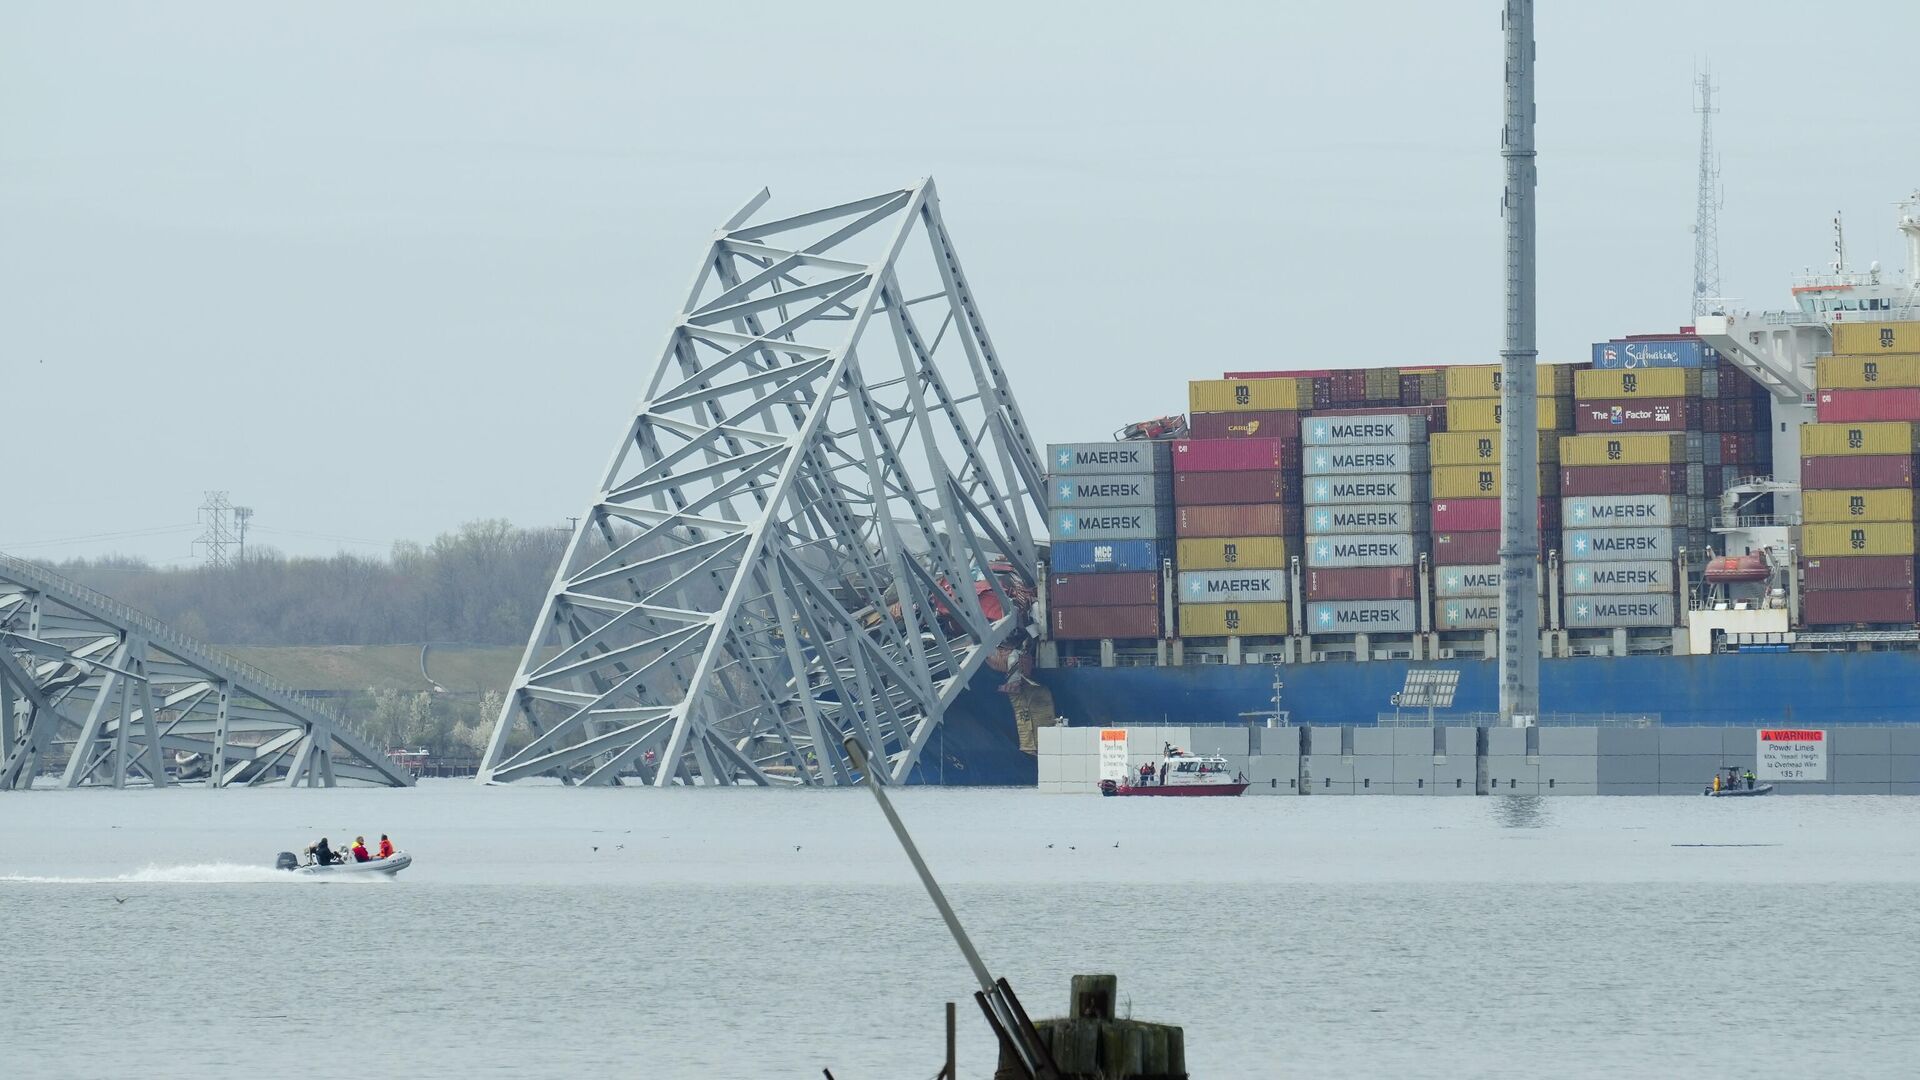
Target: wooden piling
1089	1043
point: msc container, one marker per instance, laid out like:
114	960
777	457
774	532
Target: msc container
1329	490
1851	406
1241	519
1080	459
1112	523
1245	425
1247	395
1234	620
1622	480
1609	611
1233	586
1820	608
1094	623
1857	504
1481	448
1227	488
1115	489
1862	439
1858	572
1361	583
1639	545
1623	449
1466	548
1232	455
1633	576
1479	481
1103	590
1483	414
1842	372
1368	429
1467	613
1880	337
1367	518
1478	580
1483	381
1109	556
1879	471
1483	515
1649	383
1362	617
1346	460
1864	538
1649	414
1361	549
1231	553
1653	353
1608	511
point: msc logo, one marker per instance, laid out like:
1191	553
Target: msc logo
1497	374
1230	553
1856	505
1857	539
1855	438
1870	371
1629	383
1485	480
1496	408
1242	395
1484	448
1233	618
1613	450
1886	337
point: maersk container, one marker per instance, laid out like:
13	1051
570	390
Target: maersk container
1878	471
1228	488
1108	556
1357	459
1467	613
1454	448
1115	489
1679	353
1483	414
1361	583
1856	606
1578	480
1081	459
1367	518
1856	504
1372	429
1650	383
1483	380
1231	553
1482	515
1103	590
1234	620
1633	576
1638	545
1652	414
1609	511
1623	449
1481	580
1857	440
1843	372
1362	617
1591	612
1094	623
1233	455
1245	425
1865	538
1466	548
1233	586
1330	490
1876	337
1113	523
1363	549
1852	406
1240	519
1858	572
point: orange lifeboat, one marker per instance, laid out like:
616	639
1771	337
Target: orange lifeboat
1738	569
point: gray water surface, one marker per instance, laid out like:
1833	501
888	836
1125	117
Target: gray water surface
753	933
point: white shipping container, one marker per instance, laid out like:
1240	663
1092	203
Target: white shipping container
1233	586
1368	518
1364	458
1113	523
1617	511
1112	489
1604	611
1450	582
1338	490
1362	617
1468	613
1639	577
1374	429
1080	459
1597	545
1363	549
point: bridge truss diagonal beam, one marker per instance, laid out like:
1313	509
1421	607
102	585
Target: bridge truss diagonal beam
814	526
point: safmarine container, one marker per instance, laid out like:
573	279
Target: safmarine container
1483	414
1880	337
1361	583
1329	490
1080	459
1652	353
1234	620
1638	511
1843	372
1108	556
1638	545
1244	519
1483	380
1878	471
1848	406
1362	617
1857	504
1231	455
1115	489
1622	480
1367	518
1483	515
1646	414
1467	613
1466	548
1633	576
1231	553
1233	586
1623	449
1368	429
1094	623
1112	523
1611	611
1245	425
1247	395
1862	439
1344	460
1103	590
1650	383
1225	488
1864	538
1856	606
1362	549
1858	572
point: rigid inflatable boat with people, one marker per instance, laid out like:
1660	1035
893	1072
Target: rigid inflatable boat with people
323	861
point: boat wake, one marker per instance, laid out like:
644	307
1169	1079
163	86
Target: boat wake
186	874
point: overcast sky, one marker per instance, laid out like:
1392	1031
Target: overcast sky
377	269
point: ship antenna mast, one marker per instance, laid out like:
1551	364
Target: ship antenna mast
1706	217
1519	410
1839	245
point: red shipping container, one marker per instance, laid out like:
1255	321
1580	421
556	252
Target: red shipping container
1713	415
1234	455
1650	414
1237	519
1223	488
1304	373
1466	548
1857	572
1361	583
1736	447
1867	471
1094	623
1245	425
1103	590
1854	406
1578	480
1480	515
1856	606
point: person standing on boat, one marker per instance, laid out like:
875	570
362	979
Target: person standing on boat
386	847
1716	783
1749	778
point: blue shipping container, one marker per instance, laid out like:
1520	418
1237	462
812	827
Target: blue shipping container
1104	556
1617	355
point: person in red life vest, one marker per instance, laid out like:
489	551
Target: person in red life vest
386	847
360	849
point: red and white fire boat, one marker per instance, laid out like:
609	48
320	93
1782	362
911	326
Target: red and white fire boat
1181	774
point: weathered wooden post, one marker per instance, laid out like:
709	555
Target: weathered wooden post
1089	1043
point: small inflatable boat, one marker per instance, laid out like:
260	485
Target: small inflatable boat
389	866
1739	792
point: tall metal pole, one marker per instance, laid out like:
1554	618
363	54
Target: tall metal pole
1519	416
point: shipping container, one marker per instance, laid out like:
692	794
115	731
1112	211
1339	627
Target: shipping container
1234	620
1864	538
1466	548
1233	455
1483	414
1094	623
1842	372
1862	439
1228	488
1109	557
1454	448
1483	381
1621	480
1648	383
1858	572
1112	523
1853	606
1611	511
1856	504
1639	545
1367	518
1479	481
1652	353
1647	414
1114	489
1881	471
1631	576
1363	549
1081	459
1350	460
1361	583
1245	425
1467	613
1239	519
1876	337
1855	406
1366	429
1623	449
1233	586
1231	553
1483	515
1245	395
1329	490
1362	617
1103	590
1615	611
1482	579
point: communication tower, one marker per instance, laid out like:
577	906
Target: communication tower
1706	217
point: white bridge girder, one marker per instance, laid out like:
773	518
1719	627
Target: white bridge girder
795	541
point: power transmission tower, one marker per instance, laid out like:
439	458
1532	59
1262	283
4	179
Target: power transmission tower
242	515
216	519
1706	220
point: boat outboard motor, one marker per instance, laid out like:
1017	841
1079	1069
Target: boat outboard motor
286	860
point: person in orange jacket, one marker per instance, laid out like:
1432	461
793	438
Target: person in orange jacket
386	847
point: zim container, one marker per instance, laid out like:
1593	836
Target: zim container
1352	459
1367	518
1824	608
1885	438
1245	425
1483	414
1362	617
1648	576
1108	556
1243	519
1864	538
1361	583
1623	610
1610	511
1879	471
1246	395
1598	385
1112	523
1856	504
1094	623
1233	586
1481	448
1112	489
1855	372
1366	429
1623	449
1330	490
1649	414
1231	553
1227	488
1233	455
1234	620
1483	381
1848	406
1080	459
1872	337
1466	548
1858	572
1622	480
1619	545
1104	590
1362	549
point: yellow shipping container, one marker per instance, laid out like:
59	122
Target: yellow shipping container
1483	414
1481	448
1876	337
1482	482
1483	381
1232	553
1857	504
1866	372
1234	620
1639	383
1249	395
1895	437
1866	538
1623	449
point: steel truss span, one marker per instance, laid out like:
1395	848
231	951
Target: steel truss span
123	700
816	526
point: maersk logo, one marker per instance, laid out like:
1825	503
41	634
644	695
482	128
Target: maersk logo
1623	577
1582	577
1102	489
1480	580
1375	430
1321	461
1358	460
1231	586
1579	545
1369	519
1360	489
1460	612
1629	542
1322	520
1626	609
1072	523
1066	491
1319	431
1066	458
1326	617
1366	616
1580	512
1322	490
